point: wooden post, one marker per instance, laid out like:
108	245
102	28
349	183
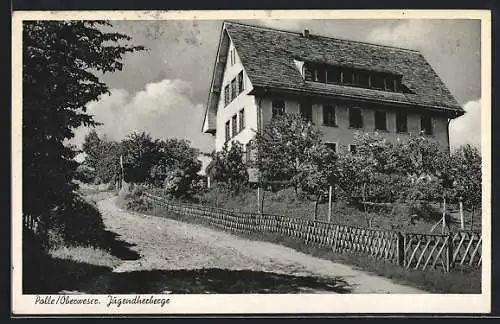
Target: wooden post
444	215
449	253
461	208
258	198
330	204
400	245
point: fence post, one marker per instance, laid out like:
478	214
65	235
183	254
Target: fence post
461	209
449	252
400	249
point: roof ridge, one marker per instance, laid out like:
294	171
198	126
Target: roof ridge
322	36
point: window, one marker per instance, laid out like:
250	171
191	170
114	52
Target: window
241	119
355	118
232	57
331	146
426	124
364	79
306	111
240	82
352	148
250	151
333	75
320	74
228	136
397	88
380	120
329	115
359	77
234	89
401	122
308	72
227	95
377	81
234	127
348	76
278	107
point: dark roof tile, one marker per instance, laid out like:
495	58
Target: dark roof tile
268	55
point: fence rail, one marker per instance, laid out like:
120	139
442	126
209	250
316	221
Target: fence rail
409	250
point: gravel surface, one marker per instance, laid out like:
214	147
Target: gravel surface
166	244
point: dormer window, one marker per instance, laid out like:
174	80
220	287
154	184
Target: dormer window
355	77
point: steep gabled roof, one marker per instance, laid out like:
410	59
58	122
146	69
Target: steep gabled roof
268	58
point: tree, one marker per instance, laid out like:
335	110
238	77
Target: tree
103	156
60	62
316	173
467	176
283	146
140	152
176	168
228	169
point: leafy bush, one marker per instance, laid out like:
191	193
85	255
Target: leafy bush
136	200
77	223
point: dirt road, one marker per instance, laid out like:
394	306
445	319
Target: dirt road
168	245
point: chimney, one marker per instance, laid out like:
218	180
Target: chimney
305	33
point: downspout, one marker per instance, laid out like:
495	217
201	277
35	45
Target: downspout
448	134
260	189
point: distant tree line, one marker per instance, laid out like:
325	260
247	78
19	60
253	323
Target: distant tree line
171	164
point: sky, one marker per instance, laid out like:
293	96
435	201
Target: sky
163	91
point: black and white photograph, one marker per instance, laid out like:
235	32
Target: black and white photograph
251	162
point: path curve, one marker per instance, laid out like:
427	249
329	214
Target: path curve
167	244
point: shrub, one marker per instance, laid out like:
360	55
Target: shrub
77	223
136	200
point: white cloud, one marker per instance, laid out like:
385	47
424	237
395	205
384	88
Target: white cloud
164	109
409	34
467	128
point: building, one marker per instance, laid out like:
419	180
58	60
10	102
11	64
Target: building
342	86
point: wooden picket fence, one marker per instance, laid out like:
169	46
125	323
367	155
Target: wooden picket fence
31	223
409	250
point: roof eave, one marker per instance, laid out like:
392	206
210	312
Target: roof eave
263	89
213	80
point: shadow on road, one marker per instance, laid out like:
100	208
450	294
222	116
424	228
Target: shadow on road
119	248
213	280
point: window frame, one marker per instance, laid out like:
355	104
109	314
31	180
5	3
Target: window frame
241	84
335	144
234	89
310	107
227	95
275	107
227	128
325	119
241	120
385	120
361	119
234	125
398	115
350	146
424	116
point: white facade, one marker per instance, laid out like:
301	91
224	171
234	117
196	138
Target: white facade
243	101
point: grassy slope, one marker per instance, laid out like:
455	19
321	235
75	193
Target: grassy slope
66	267
285	202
